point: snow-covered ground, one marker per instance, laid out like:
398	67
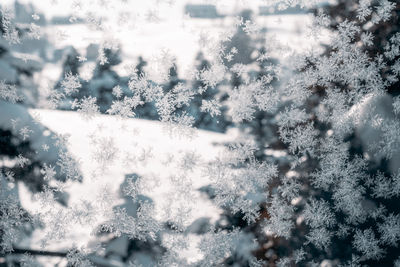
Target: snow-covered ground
129	146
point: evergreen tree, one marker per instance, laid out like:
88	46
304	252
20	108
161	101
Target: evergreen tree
105	78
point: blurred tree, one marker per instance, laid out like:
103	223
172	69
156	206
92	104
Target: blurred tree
203	119
105	78
148	110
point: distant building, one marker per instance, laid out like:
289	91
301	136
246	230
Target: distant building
23	14
274	10
292	10
61	20
201	11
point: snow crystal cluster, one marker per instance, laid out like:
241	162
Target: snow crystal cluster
303	167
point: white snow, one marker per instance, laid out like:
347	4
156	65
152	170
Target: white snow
152	154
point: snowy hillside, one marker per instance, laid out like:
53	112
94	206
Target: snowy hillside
110	149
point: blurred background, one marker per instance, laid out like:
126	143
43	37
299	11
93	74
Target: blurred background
102	47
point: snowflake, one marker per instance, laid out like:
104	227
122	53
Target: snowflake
9	92
69	166
87	107
70	84
251	27
384	10
124	108
22	161
25	132
367	38
365	242
117	91
105	152
364	9
211	106
48	171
